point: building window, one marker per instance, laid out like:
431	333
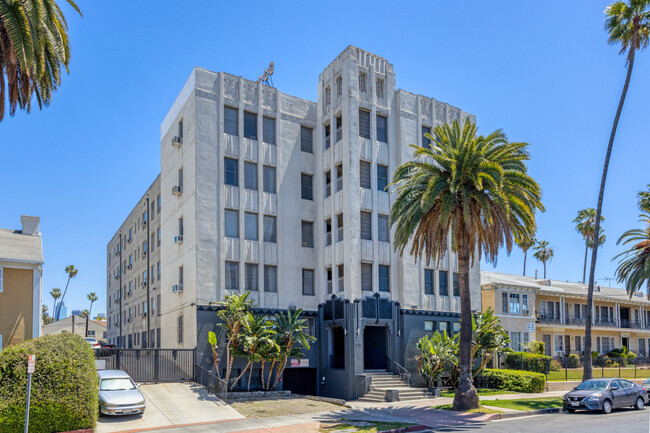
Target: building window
382	177
158	270
179	328
339	177
270	229
269	179
328	184
382	129
268	135
250	226
366	277
426	142
383	229
428	282
524	304
339	227
250	125
250	175
578	342
364	174
230	121
326	144
339	87
514	303
456	284
306	186
158	202
308	282
455	327
180	275
306	139
443	327
442	282
158	240
363	79
231	172
339	128
559	345
380	90
328	279
364	124
384	278
231	223
328	232
270	279
366	226
428	325
251	277
515	341
341	275
232	276
308	234
504	303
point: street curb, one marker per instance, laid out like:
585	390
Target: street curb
527	413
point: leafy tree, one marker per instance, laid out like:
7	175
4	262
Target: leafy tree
56	294
627	24
634	264
233	315
72	273
255	332
476	190
585	224
543	253
291	337
92	297
437	354
490	337
525	243
34	46
212	339
46	317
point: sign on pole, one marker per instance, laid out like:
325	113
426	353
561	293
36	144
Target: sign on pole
31	364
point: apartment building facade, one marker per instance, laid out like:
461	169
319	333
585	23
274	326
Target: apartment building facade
21	282
287	198
554	312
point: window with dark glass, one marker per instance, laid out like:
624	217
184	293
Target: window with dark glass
250	125
270	279
456	285
231	172
382	177
364	174
442	283
306	186
308	282
339	227
328	232
364	124
269	179
232	276
328	184
250	226
426	142
339	177
326	144
339	129
251	277
383	231
366	277
428	282
382	129
268	125
230	121
270	234
308	234
306	139
250	175
231	223
366	226
384	278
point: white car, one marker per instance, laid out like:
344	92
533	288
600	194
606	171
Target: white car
118	395
93	342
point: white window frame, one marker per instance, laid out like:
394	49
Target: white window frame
1	286
558	349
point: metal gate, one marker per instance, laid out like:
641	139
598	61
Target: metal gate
151	365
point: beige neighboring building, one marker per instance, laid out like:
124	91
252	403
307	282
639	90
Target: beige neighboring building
77	325
21	287
554	312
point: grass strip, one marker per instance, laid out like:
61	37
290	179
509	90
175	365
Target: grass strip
374	427
480	409
527	403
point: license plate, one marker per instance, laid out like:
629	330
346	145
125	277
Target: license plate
575	403
128	410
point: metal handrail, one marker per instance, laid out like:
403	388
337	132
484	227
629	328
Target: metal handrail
400	366
200	370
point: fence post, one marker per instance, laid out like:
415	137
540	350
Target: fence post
620	361
602	367
521	357
156	365
566	371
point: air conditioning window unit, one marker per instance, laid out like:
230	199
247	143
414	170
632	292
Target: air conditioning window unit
144	283
177	190
130	267
177	288
144	222
144	253
178	239
144	314
177	141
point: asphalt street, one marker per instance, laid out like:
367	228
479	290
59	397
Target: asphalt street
627	420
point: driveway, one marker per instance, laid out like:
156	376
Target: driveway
171	404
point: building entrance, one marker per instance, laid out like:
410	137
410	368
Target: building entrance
374	348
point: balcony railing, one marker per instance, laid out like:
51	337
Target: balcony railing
631	324
605	322
550	319
571	320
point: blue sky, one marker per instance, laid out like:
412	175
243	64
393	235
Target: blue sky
543	73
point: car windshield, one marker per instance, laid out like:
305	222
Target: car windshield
593	384
646	382
116	384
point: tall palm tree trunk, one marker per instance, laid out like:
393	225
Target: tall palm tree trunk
587	373
62	297
544	270
584	268
466	396
525	257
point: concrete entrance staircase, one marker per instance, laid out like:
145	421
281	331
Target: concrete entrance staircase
382	381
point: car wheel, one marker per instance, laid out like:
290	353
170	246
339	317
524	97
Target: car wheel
607	407
570	410
639	404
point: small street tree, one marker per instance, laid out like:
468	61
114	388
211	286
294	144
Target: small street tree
290	331
92	297
232	317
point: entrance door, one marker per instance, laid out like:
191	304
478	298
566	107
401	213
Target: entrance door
625	342
300	380
374	348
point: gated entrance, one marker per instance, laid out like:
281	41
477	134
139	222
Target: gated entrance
151	365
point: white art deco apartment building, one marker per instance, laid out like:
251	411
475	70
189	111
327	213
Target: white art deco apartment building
261	191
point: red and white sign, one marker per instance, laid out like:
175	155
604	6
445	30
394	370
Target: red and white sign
31	363
300	362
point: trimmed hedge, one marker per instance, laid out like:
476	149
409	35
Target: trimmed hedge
513	380
64	392
531	362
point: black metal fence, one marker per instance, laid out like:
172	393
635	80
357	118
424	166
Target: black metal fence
150	365
212	383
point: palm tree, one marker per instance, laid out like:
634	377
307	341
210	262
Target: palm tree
83	314
232	318
585	224
56	294
644	201
525	243
34	45
476	190
72	272
290	331
543	253
634	266
256	332
628	24
92	297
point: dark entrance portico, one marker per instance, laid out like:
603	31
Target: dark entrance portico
374	348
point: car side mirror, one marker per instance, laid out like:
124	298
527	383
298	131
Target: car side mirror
137	385
613	388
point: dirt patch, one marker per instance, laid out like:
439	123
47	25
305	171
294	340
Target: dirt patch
266	408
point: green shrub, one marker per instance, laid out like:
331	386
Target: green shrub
573	361
513	380
64	393
555	365
536	347
531	361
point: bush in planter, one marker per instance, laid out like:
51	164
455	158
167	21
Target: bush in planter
514	380
528	361
573	361
64	393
